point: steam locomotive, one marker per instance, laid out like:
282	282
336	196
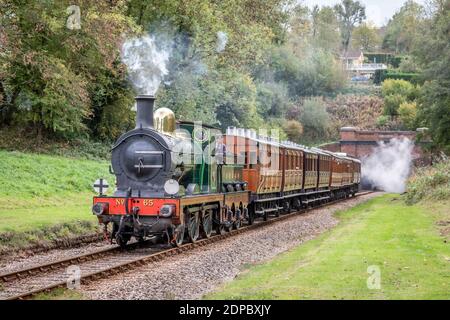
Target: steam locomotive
180	179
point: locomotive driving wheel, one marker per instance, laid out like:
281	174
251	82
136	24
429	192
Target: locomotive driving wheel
194	227
177	236
207	224
218	226
220	229
238	221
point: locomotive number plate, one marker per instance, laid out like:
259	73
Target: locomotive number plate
145	202
148	202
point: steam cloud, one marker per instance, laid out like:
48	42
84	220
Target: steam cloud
146	62
388	167
222	39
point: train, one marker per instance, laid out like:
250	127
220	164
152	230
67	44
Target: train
183	181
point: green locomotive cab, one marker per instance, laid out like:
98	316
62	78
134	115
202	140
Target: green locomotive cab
202	169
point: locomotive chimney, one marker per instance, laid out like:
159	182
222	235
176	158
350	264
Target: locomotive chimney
144	114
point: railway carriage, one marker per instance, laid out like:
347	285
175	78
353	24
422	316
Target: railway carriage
178	180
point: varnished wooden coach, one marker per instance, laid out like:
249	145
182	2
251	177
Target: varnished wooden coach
283	175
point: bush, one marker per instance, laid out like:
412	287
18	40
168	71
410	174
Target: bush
392	103
400	87
294	130
408	114
382	121
272	99
430	183
396	93
315	119
409	65
382	75
316	72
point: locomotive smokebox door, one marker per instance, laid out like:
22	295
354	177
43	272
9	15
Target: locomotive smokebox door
142	159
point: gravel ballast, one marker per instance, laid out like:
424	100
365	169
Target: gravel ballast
192	274
19	261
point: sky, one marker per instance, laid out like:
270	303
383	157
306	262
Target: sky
377	11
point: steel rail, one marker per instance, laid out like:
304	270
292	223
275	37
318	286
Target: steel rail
136	262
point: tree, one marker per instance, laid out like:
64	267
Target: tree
314	72
57	78
315	20
350	13
272	99
434	55
314	119
224	92
409	64
404	28
326	30
366	38
300	30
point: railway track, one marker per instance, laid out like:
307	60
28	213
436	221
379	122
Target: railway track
26	283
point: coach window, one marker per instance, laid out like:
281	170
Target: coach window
288	160
299	160
293	160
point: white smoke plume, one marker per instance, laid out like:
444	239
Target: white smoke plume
222	39
388	167
146	62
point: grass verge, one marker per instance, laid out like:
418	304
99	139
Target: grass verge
43	197
404	243
59	294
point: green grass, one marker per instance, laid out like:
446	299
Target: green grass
32	214
42	196
24	175
403	241
59	294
